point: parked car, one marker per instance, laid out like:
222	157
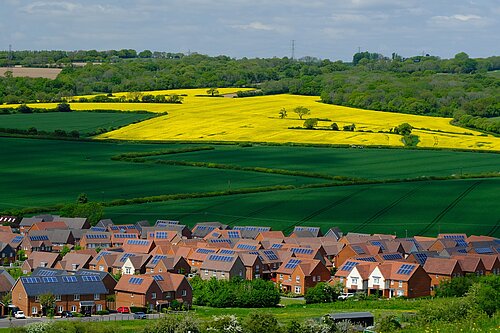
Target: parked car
345	296
66	314
19	315
123	309
140	315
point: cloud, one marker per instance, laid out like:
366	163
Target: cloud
256	26
458	20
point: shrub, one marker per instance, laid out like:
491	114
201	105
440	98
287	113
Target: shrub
311	123
322	293
173	324
334	126
261	322
388	323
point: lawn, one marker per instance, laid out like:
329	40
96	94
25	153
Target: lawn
83	122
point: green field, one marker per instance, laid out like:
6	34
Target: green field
83	122
48	172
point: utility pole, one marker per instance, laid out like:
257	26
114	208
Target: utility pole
9	61
359	49
293	48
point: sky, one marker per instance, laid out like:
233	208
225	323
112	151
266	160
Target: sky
334	29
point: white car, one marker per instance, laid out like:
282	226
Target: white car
19	315
345	296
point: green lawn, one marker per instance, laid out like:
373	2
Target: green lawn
83	122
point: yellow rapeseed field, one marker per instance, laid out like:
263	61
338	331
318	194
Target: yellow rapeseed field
257	119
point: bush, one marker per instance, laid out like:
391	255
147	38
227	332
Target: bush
334	126
63	107
102	312
349	128
311	123
388	323
322	293
261	322
173	324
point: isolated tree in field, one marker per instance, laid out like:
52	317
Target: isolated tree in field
311	123
213	91
403	129
302	111
349	128
63	107
334	126
282	113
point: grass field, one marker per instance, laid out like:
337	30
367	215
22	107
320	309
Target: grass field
256	119
46	172
83	122
48	73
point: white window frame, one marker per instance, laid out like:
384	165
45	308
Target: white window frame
153	295
298	289
58	297
97	297
34	310
400	284
73	308
99	307
184	292
76	297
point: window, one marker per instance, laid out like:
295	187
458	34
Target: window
400	284
97	297
101	268
73	308
192	262
297	279
392	282
37	298
160	270
153	295
354	280
214	273
318	278
376	280
257	268
401	293
341	280
314	278
34	310
184	292
60	309
206	271
168	295
99	307
297	289
76	297
58	297
127	270
241	273
281	276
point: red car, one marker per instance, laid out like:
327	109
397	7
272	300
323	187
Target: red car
123	309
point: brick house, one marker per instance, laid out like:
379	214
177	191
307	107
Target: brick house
352	250
354	275
137	291
94	240
173	287
400	279
103	262
74	261
40	259
72	293
161	263
222	267
296	275
135	264
36	243
442	269
253	265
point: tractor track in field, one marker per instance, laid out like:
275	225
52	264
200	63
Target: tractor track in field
324	209
448	208
387	208
495	229
204	209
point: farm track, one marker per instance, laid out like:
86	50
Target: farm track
448	208
387	208
495	229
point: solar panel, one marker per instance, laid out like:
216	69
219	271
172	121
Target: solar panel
69	278
99	229
302	250
239	228
220	240
158	277
135	280
142	242
358	249
270	254
125	256
378	243
226	251
246	247
17	239
392	256
421	257
96	236
348	266
292	263
45	272
405	269
454	236
233	234
462	251
31	280
49	279
371	259
263	229
39	238
90	278
125	235
216	257
276	246
164	223
205	251
161	234
483	250
156	259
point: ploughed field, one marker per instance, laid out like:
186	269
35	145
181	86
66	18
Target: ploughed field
256	119
376	190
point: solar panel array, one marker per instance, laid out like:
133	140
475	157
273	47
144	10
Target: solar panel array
158	278
348	266
233	234
156	259
142	242
246	247
216	257
125	256
165	223
251	228
421	257
102	254
483	250
69	278
462	250
227	251
358	249
220	240
31	279
98	229
125	235
378	243
39	238
205	227
17	239
46	272
310	229
405	269
292	263
276	246
371	259
96	236
161	235
49	279
270	254
302	250
204	251
392	256
460	239
90	278
135	280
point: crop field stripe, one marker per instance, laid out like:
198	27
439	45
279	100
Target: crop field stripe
495	228
387	208
450	207
204	209
325	208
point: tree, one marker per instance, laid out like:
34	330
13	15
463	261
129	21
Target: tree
311	123
63	107
48	303
65	250
82	198
403	129
174	324
322	293
7	299
213	92
302	111
23	108
334	126
258	322
282	113
93	211
349	128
